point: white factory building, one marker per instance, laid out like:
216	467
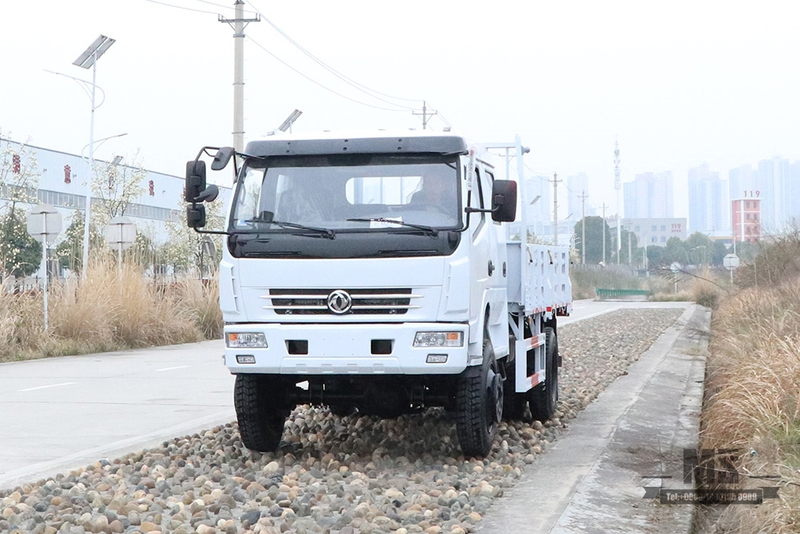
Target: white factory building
62	183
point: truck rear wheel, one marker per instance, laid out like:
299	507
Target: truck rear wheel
479	405
342	410
260	410
544	397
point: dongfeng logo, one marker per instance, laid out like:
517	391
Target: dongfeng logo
340	301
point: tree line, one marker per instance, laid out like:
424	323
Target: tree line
698	249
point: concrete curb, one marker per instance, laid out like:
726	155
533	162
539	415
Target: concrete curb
592	479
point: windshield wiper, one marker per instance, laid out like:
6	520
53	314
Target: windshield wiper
427	229
323	232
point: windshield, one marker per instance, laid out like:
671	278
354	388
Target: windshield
378	193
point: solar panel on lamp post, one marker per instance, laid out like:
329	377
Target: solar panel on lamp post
287	124
86	60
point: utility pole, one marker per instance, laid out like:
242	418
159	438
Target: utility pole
617	186
426	116
604	232
583	198
630	261
238	24
555	181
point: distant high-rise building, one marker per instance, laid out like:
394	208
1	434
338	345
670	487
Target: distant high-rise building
773	181
742	181
709	205
793	193
649	196
629	200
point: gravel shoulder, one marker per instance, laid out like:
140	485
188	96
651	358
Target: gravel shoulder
344	475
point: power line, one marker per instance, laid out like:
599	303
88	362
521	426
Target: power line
537	174
361	87
444	120
316	82
221	6
181	7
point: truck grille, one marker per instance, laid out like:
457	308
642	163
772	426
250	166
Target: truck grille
363	301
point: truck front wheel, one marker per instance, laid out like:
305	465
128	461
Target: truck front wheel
544	397
260	411
479	405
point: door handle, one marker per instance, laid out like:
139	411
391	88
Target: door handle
491	267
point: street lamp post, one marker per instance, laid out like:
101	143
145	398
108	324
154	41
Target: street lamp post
703	257
89	59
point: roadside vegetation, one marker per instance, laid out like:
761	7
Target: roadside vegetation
705	286
679	270
752	381
108	311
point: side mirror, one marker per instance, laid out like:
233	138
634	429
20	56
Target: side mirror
196	216
504	201
209	194
195	179
221	158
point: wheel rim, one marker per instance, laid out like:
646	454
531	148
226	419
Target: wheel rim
494	395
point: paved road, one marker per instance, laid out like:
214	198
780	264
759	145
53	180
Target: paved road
586	309
62	413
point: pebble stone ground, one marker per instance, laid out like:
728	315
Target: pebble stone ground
334	475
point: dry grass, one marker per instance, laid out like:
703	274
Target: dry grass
107	312
21	324
752	388
704	287
201	300
584	283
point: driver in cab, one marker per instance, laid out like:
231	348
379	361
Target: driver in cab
437	194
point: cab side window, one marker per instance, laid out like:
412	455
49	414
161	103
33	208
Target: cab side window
479	195
477	201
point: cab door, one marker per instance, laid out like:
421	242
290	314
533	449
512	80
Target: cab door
482	262
496	268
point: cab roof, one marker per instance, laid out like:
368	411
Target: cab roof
379	142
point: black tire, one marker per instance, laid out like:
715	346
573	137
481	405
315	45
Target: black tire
544	397
260	410
479	405
342	410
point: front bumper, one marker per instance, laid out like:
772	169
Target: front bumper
347	349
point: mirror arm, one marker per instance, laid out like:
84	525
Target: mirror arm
215	232
480	210
205	150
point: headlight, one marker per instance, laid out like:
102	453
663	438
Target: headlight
439	339
246	340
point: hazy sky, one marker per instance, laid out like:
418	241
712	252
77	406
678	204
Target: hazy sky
679	83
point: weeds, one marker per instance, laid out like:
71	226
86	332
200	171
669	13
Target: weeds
665	287
751	403
777	260
107	311
585	282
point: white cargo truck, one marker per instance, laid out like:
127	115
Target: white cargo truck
382	273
